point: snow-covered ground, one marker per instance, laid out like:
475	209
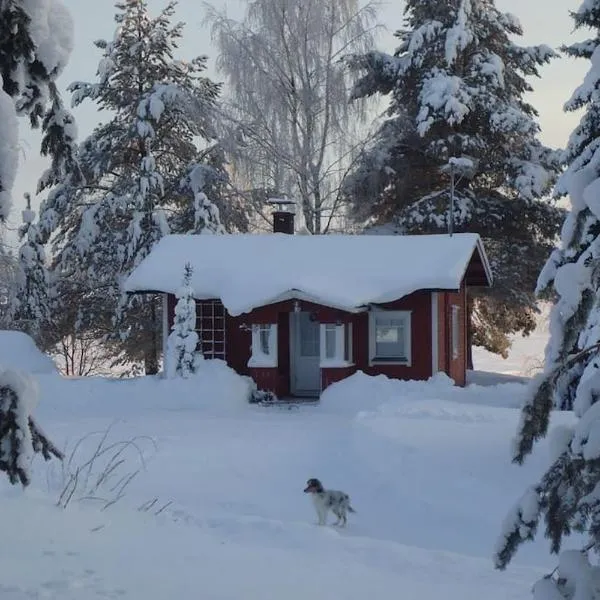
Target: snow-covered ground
526	356
216	510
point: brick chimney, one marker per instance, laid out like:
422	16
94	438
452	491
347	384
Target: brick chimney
283	215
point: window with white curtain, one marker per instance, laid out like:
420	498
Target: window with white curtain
264	345
389	337
336	344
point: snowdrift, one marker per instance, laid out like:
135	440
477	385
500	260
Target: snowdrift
18	351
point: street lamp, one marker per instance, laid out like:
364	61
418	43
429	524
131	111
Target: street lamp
463	167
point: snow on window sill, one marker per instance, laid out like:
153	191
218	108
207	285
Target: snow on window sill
262	362
394	361
332	363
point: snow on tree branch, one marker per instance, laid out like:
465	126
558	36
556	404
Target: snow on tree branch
37	39
153	168
569	492
295	131
20	436
182	356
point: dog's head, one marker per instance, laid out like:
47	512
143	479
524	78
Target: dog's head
313	486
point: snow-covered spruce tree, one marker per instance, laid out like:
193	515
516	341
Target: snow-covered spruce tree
8	277
35	44
20	436
29	308
288	97
182	355
456	86
35	305
152	168
567	497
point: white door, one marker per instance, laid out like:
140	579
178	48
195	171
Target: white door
304	359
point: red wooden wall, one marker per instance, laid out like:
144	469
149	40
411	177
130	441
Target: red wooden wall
237	338
420	305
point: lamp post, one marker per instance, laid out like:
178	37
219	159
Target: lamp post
463	166
451	215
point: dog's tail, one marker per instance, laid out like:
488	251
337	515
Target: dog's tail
350	509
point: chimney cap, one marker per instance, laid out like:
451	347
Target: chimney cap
282	204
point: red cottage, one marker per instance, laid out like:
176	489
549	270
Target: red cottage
299	312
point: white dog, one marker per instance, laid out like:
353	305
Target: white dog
325	500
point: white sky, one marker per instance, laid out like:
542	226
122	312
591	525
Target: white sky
544	21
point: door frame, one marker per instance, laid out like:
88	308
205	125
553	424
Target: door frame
293	346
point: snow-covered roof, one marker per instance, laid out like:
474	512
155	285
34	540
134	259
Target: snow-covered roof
349	272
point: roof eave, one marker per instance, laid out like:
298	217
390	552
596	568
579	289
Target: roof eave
484	259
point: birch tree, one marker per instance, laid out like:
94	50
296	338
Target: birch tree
288	97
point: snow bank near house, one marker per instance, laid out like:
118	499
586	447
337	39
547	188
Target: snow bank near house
214	388
362	392
18	351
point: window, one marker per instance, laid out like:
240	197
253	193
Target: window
264	335
330	340
336	345
264	346
455	324
389	337
210	326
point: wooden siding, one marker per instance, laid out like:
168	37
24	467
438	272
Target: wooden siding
333	375
237	339
419	303
270	379
238	342
457	366
283	354
270	312
442	332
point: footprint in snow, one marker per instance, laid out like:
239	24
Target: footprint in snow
13	593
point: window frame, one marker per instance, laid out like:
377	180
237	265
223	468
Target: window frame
404	315
258	358
342	342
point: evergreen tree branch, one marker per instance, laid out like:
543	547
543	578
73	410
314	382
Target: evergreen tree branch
535	416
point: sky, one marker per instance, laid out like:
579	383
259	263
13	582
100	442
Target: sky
544	21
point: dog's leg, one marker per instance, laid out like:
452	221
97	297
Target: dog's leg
322	514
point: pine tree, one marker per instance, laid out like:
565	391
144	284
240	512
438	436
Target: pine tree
182	356
456	85
20	436
568	496
29	308
144	172
8	278
35	44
